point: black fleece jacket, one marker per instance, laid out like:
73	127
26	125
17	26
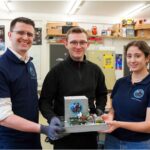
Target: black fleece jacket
71	78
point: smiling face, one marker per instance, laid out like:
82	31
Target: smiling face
136	59
77	44
21	37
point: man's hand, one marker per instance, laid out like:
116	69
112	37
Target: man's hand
56	122
55	130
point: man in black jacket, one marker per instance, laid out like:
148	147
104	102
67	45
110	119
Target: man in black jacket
75	76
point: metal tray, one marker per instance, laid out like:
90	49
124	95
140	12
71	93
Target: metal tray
86	128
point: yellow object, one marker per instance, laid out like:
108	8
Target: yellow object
130	21
108	61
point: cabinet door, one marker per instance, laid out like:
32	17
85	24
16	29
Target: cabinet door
58	53
126	70
106	61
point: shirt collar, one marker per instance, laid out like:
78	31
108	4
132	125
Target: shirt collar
146	80
27	58
73	61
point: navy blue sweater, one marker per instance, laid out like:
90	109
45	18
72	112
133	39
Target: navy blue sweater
18	81
130	102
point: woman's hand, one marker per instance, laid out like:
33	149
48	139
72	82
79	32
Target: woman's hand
107	117
112	125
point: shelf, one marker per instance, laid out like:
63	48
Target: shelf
116	37
52	35
58	35
49	37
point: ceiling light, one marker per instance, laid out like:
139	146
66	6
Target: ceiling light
72	2
4	6
137	10
75	5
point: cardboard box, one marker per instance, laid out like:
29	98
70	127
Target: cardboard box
52	25
142	26
116	30
145	33
116	27
56	28
55	31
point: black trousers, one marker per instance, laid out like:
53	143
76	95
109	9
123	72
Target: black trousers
86	140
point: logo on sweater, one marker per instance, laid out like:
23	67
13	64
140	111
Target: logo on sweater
139	93
32	72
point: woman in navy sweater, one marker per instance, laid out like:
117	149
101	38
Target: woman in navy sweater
129	118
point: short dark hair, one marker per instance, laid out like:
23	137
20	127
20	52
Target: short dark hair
142	45
76	30
22	20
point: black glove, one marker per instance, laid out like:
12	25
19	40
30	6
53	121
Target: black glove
55	130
